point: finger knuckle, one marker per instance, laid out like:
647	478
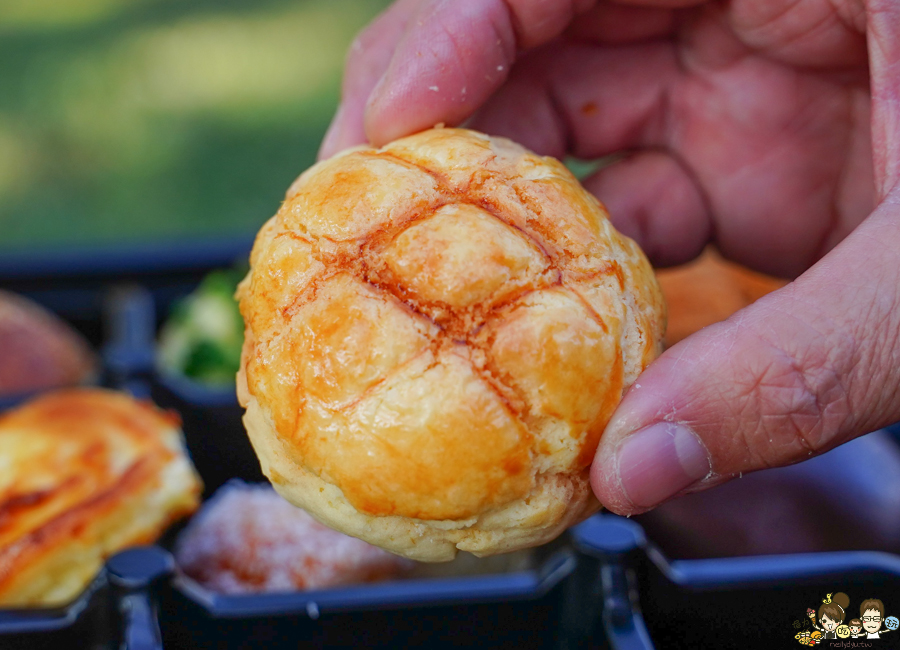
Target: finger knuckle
792	402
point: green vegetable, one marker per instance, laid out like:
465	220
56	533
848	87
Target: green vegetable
203	337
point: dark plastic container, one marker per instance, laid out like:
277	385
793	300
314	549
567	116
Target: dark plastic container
515	610
602	586
88	622
213	430
632	597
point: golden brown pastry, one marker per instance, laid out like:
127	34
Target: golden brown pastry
38	350
709	290
437	333
83	474
248	539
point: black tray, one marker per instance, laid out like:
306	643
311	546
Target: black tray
602	585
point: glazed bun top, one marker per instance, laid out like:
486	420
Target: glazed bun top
437	326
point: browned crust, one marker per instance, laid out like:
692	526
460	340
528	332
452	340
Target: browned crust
565	227
84	434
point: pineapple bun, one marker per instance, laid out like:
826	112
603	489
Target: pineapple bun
437	333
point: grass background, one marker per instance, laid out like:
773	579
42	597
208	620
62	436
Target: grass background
137	120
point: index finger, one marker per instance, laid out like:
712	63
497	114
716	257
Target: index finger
453	56
368	58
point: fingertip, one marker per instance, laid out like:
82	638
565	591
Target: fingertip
330	143
381	120
368	59
442	70
650	466
608	488
411	98
345	131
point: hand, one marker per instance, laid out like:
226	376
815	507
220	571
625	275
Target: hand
747	124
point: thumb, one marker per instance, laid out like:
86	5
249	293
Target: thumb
795	374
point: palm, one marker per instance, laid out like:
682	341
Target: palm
781	151
765	122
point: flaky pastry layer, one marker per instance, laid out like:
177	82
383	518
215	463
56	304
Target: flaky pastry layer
84	473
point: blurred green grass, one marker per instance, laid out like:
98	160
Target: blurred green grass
136	120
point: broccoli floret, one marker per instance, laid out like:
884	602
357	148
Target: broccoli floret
204	334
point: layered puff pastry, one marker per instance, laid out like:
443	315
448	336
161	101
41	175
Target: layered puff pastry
83	474
437	333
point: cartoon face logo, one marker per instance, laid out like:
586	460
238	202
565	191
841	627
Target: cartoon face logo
871	619
829	623
833	620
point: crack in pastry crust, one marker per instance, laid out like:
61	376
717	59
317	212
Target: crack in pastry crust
459	256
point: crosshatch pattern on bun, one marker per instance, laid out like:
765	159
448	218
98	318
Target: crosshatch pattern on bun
437	333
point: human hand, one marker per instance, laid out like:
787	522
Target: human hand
748	124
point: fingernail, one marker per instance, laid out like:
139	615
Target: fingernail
330	145
373	114
659	461
377	91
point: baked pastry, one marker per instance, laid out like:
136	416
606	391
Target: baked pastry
248	539
83	474
38	350
436	334
709	290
